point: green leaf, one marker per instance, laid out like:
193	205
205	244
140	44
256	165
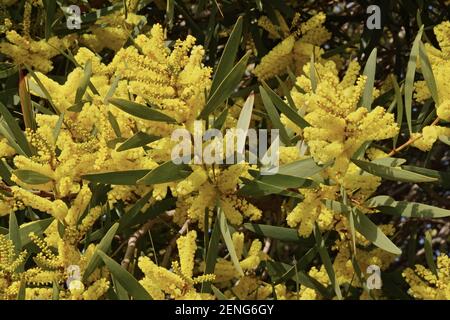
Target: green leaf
112	89
212	253
129	177
442	176
140	139
50	10
313	74
17	134
127	218
369	71
228	241
229	53
82	87
22	288
57	128
219	295
170	9
141	111
400	106
245	116
126	279
284	108
37	227
274	116
278	233
302	168
166	172
365	226
220	120
55	292
410	75
326	260
40	89
268	185
427	72
392	173
445	139
406	209
114	124
301	264
122	294
226	87
7	70
31	177
14	233
429	252
103	246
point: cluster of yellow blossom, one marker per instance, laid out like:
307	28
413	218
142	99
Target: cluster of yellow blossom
440	64
424	284
296	47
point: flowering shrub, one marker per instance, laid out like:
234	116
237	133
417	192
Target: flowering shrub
94	204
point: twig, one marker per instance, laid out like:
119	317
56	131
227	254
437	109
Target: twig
411	140
133	239
172	243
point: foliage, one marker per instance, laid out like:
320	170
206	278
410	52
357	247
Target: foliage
93	207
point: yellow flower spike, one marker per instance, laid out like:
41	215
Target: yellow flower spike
186	248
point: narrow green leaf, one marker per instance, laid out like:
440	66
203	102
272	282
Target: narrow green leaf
410	75
50	10
406	209
392	173
55	292
126	280
326	260
7	70
82	87
287	110
117	177
301	264
57	128
365	226
313	74
226	87
141	111
369	71
219	295
268	185
400	106
18	135
103	246
429	252
166	172
427	71
14	233
445	139
229	53
212	253
274	232
140	139
22	289
37	227
127	218
31	177
228	241
274	116
122	294
112	89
